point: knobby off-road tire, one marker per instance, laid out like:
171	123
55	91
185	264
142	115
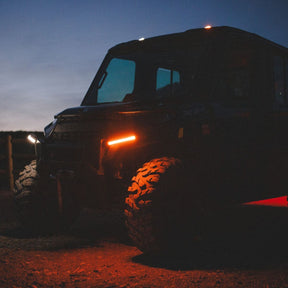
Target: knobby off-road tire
37	210
153	207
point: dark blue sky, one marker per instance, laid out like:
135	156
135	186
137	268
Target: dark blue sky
51	49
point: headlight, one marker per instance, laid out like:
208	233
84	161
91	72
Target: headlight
50	128
33	139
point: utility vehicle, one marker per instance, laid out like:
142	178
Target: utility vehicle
175	130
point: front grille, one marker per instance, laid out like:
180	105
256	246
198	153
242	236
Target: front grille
75	146
73	136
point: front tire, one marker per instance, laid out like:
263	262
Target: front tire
153	207
37	205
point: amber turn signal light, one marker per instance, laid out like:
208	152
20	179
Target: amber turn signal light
122	140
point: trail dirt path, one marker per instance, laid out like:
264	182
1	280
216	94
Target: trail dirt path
96	252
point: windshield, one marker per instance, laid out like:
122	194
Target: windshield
117	81
169	76
113	82
140	77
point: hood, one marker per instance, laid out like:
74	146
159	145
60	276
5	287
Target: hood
107	111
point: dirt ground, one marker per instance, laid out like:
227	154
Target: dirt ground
96	252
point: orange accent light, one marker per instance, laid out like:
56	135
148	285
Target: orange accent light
208	27
121	140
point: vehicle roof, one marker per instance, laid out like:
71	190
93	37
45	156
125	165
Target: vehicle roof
192	36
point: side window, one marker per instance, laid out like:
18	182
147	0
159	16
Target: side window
280	80
239	84
167	82
238	74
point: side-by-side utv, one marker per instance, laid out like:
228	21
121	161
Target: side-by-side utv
174	130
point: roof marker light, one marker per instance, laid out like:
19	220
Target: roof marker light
121	140
141	39
207	27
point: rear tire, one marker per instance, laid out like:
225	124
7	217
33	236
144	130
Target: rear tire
153	208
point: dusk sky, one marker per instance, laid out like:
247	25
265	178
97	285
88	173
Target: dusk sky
51	49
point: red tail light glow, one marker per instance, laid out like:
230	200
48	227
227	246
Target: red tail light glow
272	202
121	140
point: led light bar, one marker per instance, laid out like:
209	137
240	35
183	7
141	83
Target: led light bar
121	140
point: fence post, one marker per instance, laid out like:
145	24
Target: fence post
10	162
